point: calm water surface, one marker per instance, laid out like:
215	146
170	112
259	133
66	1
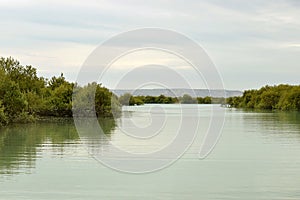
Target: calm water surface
257	157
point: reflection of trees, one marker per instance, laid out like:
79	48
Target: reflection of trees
107	125
275	122
95	133
20	145
288	121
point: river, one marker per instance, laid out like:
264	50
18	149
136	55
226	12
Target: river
256	157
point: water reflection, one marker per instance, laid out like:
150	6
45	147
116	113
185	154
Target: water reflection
280	127
22	144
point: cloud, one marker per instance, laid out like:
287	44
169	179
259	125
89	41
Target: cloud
294	45
241	36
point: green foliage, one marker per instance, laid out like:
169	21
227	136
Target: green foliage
95	98
138	100
60	102
12	99
83	100
3	117
205	100
268	100
161	99
23	117
127	99
56	82
290	100
24	95
25	77
150	99
106	103
35	103
187	99
281	97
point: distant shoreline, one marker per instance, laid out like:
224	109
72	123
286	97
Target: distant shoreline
177	92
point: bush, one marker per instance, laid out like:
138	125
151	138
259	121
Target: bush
24	117
3	117
24	95
281	97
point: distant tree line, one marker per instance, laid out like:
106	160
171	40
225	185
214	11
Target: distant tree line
24	96
281	97
129	99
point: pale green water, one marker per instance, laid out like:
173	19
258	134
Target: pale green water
257	157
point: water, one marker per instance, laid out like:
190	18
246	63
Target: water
257	157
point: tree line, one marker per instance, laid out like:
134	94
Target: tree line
280	97
24	96
129	99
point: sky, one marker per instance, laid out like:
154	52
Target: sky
252	43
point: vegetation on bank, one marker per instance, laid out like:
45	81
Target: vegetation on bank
281	97
24	96
128	99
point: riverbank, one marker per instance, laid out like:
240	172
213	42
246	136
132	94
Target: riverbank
280	97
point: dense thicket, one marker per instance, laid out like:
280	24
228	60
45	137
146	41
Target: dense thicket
281	97
95	98
24	95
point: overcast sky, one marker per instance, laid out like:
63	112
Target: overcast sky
252	43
